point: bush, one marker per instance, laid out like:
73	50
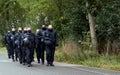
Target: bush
1	41
71	54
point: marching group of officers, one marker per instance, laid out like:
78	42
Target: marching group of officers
22	43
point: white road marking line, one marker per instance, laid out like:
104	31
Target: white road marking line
71	65
5	61
91	71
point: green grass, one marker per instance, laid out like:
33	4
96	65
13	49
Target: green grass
3	50
92	60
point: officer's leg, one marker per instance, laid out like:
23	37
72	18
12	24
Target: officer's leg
32	54
52	55
23	55
9	52
38	54
51	50
12	53
48	55
42	52
16	53
8	49
28	56
20	55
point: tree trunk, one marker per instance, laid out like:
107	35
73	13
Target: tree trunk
108	48
92	29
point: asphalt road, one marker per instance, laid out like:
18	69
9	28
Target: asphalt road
7	67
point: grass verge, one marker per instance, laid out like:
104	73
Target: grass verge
3	50
91	60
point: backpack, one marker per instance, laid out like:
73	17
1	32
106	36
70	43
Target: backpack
42	35
12	38
17	38
47	39
26	40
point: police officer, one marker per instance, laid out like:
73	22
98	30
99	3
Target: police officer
32	37
51	41
41	36
29	43
6	40
12	46
24	46
37	41
18	40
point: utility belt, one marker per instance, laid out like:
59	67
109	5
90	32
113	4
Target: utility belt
49	41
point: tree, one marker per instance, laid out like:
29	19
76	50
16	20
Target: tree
92	26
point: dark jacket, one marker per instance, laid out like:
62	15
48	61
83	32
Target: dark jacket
51	36
41	35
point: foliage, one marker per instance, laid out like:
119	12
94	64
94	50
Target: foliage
90	59
69	18
3	50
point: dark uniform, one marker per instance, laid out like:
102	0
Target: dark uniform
18	45
24	33
12	46
38	54
32	38
29	45
51	41
7	42
41	37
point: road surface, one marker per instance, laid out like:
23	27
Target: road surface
7	67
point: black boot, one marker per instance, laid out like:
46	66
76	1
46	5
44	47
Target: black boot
9	57
13	60
48	64
51	64
42	61
20	62
29	65
38	60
